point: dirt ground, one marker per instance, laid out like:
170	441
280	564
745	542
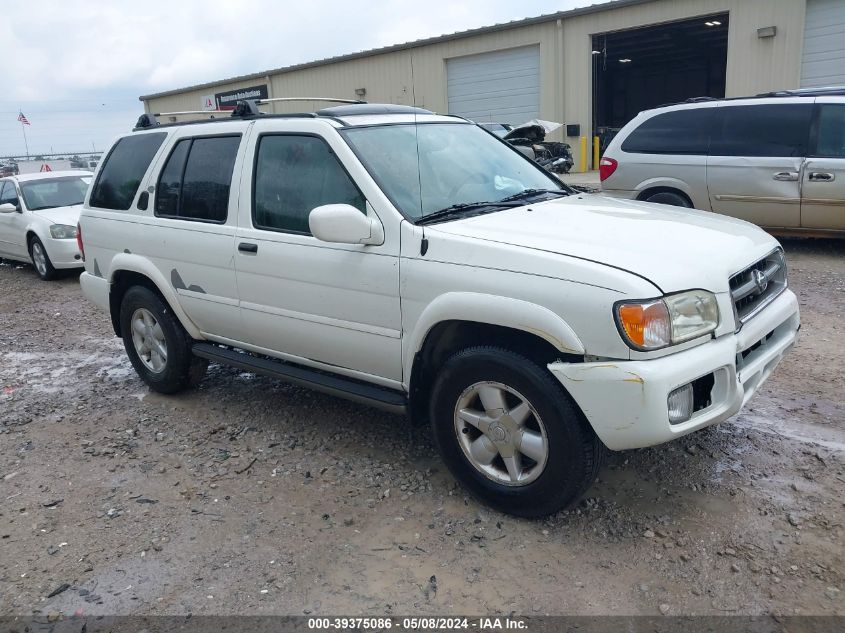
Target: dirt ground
248	496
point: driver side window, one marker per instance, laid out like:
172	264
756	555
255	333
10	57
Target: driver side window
293	175
9	193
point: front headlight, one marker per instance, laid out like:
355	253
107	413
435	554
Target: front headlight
655	323
63	232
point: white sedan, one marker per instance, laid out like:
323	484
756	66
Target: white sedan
38	218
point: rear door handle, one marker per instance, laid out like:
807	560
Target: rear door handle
821	176
246	247
786	175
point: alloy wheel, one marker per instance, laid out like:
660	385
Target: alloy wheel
501	434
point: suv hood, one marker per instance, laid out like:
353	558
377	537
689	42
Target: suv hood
61	215
675	249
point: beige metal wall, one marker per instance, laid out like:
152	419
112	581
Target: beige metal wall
754	64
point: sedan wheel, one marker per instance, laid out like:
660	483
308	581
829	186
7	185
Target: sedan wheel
40	260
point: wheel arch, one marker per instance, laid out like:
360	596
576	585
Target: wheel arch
129	270
32	232
668	185
458	320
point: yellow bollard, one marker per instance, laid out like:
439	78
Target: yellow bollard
582	166
596	147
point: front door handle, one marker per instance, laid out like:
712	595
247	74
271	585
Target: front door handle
786	175
821	176
246	247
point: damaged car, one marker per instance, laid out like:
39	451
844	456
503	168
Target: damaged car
530	139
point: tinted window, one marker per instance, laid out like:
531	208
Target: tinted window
762	130
679	132
295	174
831	139
169	188
195	182
123	170
8	193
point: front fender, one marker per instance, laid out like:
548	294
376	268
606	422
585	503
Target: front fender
492	310
143	266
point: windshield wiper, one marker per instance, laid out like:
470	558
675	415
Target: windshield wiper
41	208
458	209
527	193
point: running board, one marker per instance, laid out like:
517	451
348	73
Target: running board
332	384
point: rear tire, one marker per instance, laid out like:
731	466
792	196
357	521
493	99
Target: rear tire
537	456
158	346
670	198
41	260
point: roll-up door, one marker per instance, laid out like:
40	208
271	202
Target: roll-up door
501	86
823	63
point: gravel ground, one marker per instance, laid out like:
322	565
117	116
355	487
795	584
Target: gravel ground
248	496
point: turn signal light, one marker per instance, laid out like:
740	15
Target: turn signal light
646	325
606	168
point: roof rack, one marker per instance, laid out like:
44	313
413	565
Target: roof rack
370	108
243	109
798	92
806	92
329	99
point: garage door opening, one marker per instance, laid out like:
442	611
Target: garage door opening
643	68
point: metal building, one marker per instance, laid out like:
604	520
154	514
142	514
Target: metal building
592	68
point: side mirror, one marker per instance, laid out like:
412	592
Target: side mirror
344	224
8	207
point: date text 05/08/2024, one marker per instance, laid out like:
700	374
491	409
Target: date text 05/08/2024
430	623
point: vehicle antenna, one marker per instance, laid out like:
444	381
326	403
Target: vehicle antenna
424	241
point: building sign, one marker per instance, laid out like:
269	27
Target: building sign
209	102
229	99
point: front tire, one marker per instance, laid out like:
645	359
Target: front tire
41	260
158	346
510	434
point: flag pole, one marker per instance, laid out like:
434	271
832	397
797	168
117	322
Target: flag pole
25	143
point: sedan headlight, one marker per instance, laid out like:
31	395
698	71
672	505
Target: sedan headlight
63	232
655	323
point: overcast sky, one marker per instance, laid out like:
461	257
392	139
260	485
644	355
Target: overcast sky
76	69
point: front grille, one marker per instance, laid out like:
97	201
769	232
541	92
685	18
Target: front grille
755	287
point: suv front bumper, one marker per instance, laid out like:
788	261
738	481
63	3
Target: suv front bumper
626	401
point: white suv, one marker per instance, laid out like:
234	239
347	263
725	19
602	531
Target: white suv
777	160
420	264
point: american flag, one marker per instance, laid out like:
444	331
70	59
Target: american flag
23	119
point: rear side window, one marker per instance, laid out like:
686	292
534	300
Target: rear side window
678	132
777	130
195	181
123	170
831	138
293	175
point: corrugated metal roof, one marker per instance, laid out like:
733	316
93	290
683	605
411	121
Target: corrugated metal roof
593	8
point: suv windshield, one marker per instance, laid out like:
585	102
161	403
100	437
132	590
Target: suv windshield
430	167
54	192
